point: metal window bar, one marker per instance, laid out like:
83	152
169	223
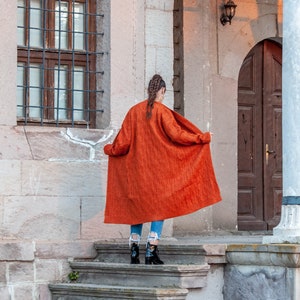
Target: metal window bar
43	62
87	81
73	64
58	68
27	69
86	91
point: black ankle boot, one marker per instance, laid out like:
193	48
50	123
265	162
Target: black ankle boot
135	252
152	257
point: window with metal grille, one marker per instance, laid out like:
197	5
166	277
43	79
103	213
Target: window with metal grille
57	55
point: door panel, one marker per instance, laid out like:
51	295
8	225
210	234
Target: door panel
250	211
259	138
272	110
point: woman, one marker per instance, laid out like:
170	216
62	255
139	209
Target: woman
159	167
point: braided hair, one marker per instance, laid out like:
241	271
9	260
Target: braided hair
155	84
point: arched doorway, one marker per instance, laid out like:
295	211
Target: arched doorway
260	138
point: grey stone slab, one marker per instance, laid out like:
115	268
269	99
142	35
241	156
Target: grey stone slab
91	292
180	276
171	252
253	283
287	255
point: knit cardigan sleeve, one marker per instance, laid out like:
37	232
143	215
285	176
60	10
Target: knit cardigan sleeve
179	134
121	143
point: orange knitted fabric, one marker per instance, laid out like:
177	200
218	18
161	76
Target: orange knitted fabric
158	168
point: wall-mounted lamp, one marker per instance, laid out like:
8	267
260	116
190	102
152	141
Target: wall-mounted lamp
228	12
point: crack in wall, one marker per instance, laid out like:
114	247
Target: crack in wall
85	142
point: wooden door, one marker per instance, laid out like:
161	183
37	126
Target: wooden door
260	138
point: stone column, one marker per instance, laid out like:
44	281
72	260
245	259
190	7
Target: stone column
288	230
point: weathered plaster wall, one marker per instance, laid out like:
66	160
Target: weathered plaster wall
213	55
254	22
200	63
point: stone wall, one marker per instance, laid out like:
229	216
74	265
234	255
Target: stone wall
53	183
52	197
53	180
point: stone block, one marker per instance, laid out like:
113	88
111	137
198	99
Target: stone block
43	292
189	4
10	172
14	145
65	144
76	178
215	285
49	270
190	224
54	144
150	56
265	26
42	217
165	5
159	26
112	231
164	58
24	291
182	276
16	250
92	210
256	282
20	272
64	250
284	255
5	293
2	274
2	231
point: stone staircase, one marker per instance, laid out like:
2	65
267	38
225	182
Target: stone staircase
110	276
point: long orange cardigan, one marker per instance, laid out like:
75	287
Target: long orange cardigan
158	168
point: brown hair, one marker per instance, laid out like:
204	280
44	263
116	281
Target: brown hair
155	84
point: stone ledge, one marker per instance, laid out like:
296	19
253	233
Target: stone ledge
180	276
16	250
215	253
284	255
85	291
174	253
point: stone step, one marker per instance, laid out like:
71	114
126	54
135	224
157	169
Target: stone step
160	276
169	253
69	291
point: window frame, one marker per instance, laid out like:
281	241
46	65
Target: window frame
50	56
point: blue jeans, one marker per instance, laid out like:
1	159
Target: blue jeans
156	226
